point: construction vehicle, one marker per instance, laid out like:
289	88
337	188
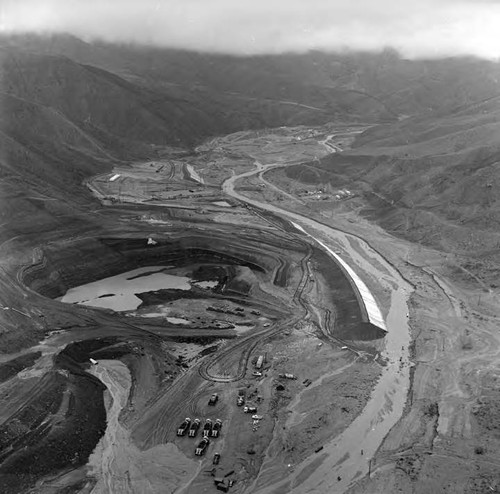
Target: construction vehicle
184	427
241	397
193	429
287	376
213	399
222	486
202	446
207	428
216	428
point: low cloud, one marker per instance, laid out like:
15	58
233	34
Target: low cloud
427	28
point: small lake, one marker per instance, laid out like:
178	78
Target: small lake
119	292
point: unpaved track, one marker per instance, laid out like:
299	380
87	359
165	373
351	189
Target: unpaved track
118	465
347	457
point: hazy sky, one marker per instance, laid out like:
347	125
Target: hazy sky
414	27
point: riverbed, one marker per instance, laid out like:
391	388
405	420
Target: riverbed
347	457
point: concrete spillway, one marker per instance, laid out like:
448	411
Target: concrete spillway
374	315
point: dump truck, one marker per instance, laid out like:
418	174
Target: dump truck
207	428
241	397
202	446
213	399
193	429
216	428
184	427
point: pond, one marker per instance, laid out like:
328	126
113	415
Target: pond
119	292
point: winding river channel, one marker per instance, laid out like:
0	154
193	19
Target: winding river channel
347	457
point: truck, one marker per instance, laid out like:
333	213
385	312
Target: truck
259	362
184	427
193	429
241	397
213	399
250	409
202	446
207	428
216	428
287	376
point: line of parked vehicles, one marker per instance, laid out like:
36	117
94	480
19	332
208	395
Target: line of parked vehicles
191	427
210	429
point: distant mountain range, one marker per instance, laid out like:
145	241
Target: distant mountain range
70	109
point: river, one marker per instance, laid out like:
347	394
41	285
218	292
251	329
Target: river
348	456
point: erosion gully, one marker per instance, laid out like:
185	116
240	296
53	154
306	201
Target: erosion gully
347	458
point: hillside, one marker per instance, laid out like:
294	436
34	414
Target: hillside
71	109
421	144
433	180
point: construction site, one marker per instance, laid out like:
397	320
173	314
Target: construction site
216	329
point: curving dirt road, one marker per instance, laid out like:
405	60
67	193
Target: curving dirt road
340	459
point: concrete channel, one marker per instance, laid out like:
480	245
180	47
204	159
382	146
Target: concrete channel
347	458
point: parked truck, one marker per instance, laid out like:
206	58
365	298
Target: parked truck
202	446
216	428
193	429
287	376
184	427
207	428
241	397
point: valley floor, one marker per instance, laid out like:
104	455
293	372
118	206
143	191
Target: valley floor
410	410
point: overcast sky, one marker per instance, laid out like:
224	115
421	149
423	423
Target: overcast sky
414	27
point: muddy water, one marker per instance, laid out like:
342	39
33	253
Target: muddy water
118	292
347	457
117	463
